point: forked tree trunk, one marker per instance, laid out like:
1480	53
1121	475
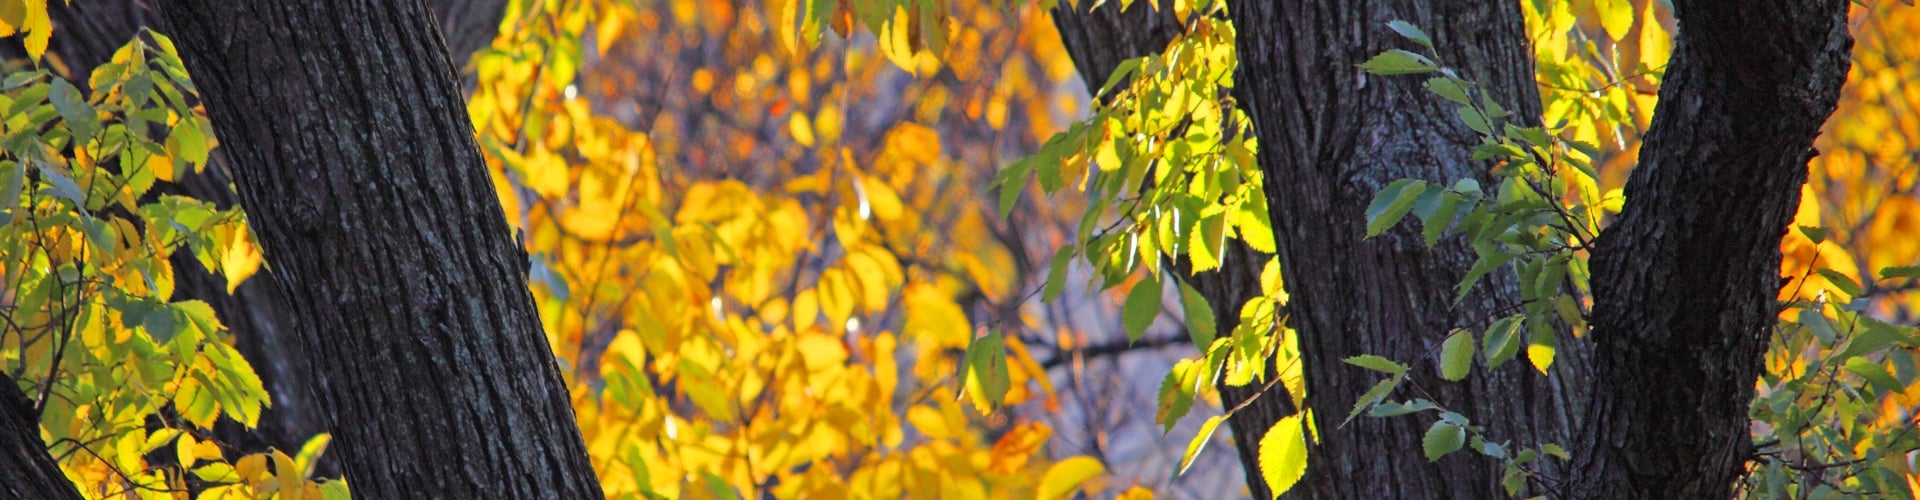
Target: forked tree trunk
1701	310
360	175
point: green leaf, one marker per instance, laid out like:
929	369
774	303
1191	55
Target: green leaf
1377	363
1900	272
1841	281
1431	228
1121	72
1177	393
1399	62
1012	181
63	186
13	178
1392	204
72	106
1443	438
1283	454
1057	274
1411	32
1448	87
1475	120
1514	479
1872	338
1815	233
718	486
1556	450
1200	322
1818	324
1485	265
1391	409
986	376
188	142
1503	340
1199	442
1141	307
1456	355
1875	373
1373	395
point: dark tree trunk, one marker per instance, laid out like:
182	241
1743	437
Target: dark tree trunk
362	179
85	35
1330	138
1685	282
26	470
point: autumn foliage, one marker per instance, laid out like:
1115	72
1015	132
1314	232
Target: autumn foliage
827	249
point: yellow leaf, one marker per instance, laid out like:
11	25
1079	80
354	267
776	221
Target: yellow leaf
251	467
837	296
207	450
288	475
806	309
933	320
1135	493
242	258
1013	450
886	370
184	450
1283	454
896	39
821	352
929	422
881	198
1541	355
38	27
1064	478
800	128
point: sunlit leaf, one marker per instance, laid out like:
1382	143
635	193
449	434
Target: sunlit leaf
1066	477
1283	454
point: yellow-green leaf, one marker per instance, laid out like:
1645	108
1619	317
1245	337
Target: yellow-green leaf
1456	355
1065	477
1283	454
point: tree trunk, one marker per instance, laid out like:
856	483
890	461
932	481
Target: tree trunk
1330	138
1685	282
362	180
85	35
26	470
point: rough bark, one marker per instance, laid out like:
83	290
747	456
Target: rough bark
85	35
1330	138
362	180
1685	281
26	470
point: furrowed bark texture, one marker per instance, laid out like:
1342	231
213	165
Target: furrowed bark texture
1685	281
85	35
1331	137
26	470
1098	39
361	177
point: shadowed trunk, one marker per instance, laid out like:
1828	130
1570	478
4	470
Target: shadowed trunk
26	470
360	175
1685	282
1330	138
85	35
